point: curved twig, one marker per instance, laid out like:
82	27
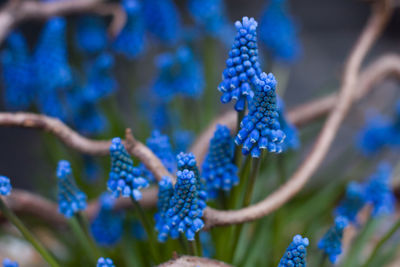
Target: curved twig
191	261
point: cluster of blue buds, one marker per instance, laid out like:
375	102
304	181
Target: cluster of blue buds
296	253
124	178
353	202
17	73
9	263
5	186
91	34
180	73
70	199
165	193
218	170
278	32
105	262
331	242
242	66
292	140
107	227
162	20
161	147
260	128
130	41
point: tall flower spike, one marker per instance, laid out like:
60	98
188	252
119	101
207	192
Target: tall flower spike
165	193
218	169
17	73
9	263
242	66
91	34
70	199
124	178
105	262
130	41
296	253
278	31
331	242
352	203
260	128
5	186
378	191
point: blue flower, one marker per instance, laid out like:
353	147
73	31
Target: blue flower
260	128
378	191
17	73
218	169
124	178
107	227
180	73
207	244
162	20
374	135
279	33
292	136
165	193
91	34
352	203
5	186
331	242
130	41
70	199
105	262
296	253
242	66
138	231
182	140
161	147
9	263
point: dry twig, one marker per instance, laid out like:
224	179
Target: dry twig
190	261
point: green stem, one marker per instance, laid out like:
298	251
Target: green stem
198	246
27	234
323	259
84	224
237	157
83	239
184	243
192	248
237	190
381	242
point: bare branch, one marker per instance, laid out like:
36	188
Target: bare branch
190	261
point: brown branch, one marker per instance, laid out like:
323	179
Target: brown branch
15	12
191	261
381	12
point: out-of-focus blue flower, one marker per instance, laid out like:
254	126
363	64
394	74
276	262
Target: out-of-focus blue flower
5	186
165	193
70	199
92	169
378	191
107	227
242	66
179	73
207	244
17	73
296	253
161	147
292	136
352	203
374	135
124	179
9	263
138	231
130	41
210	14
105	262
279	32
218	170
91	34
260	128
162	20
182	140
331	242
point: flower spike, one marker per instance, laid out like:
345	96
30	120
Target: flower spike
331	242
296	253
5	186
352	203
105	262
165	193
9	263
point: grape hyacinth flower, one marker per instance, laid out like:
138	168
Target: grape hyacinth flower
296	253
374	135
130	41
182	140
218	169
162	20
91	34
331	242
124	178
105	262
5	186
260	128
353	202
107	227
242	66
70	199
9	263
17	73
165	193
292	136
378	191
278	32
